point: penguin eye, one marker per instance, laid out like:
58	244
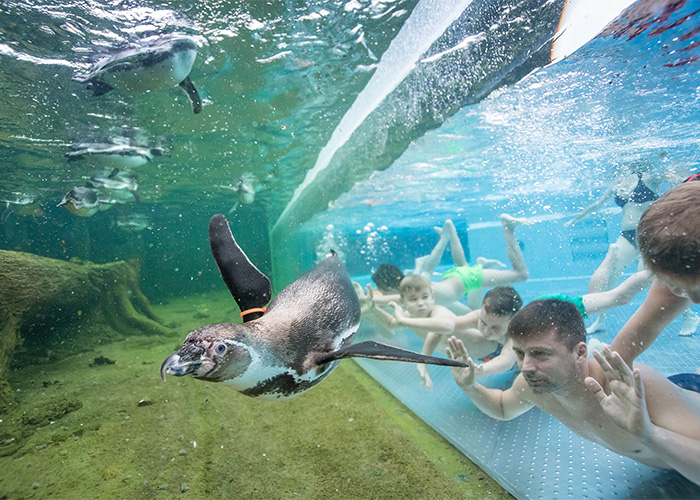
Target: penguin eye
221	348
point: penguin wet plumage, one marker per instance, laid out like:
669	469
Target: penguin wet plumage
162	63
114	155
298	340
120	185
83	201
23	204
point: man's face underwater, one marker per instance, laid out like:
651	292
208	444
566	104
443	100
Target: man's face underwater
545	362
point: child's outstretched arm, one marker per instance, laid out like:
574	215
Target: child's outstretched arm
432	340
594	207
501	363
659	309
441	321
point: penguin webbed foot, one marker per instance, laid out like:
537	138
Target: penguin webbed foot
376	350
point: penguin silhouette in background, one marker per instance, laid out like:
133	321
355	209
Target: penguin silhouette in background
281	351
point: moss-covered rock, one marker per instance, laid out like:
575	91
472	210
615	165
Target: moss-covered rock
51	307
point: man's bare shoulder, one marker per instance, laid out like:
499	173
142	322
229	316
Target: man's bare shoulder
521	390
518	399
668	405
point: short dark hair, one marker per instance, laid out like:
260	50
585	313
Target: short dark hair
540	317
387	276
669	232
414	283
502	301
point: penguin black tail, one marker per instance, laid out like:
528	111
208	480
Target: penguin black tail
376	350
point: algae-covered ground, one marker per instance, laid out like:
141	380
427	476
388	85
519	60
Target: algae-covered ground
88	429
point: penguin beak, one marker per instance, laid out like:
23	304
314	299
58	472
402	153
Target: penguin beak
175	365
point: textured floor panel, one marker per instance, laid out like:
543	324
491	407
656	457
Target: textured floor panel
534	456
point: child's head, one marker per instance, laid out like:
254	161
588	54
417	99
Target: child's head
417	295
497	308
387	278
669	239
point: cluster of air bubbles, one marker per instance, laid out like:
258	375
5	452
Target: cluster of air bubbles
375	247
332	240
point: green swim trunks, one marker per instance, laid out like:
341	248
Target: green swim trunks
471	276
577	301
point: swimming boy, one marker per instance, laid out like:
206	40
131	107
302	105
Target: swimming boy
484	330
669	242
429	321
640	414
462	279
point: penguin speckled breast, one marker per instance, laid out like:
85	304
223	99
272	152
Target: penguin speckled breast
286	349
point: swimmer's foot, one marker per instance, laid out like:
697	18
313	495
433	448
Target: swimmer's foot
490	263
420	264
447	228
597	326
595	345
614	251
510	222
691	321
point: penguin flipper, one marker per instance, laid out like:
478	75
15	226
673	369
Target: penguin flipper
192	93
250	288
376	350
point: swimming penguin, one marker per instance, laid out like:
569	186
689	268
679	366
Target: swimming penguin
163	63
245	188
114	155
133	222
288	348
119	185
23	204
83	201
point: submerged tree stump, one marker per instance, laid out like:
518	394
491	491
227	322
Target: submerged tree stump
48	306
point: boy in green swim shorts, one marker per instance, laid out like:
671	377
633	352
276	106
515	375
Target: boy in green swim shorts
417	310
471	276
462	279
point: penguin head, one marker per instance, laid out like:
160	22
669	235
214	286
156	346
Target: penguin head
210	353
